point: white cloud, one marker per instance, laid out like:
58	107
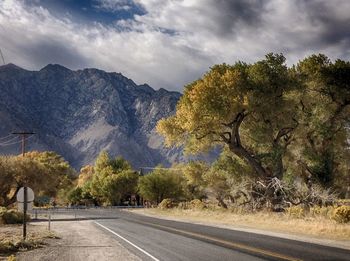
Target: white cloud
176	40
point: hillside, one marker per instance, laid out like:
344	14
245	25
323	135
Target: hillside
79	113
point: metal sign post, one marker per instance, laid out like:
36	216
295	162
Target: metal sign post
25	195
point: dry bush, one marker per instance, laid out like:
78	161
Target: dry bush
11	216
342	214
197	204
166	204
295	212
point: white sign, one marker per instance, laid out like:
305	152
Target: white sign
20	195
20	206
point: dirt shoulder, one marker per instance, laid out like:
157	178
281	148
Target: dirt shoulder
11	239
79	240
317	231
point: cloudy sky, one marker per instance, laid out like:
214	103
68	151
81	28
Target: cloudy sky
168	43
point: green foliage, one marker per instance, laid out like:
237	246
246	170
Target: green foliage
193	173
324	113
342	214
161	184
111	181
75	195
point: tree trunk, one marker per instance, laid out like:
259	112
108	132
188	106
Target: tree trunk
245	155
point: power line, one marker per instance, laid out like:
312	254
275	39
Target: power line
8	141
13	143
4	138
9	144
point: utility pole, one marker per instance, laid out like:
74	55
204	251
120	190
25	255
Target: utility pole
2	57
24	134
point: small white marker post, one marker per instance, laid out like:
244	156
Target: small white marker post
49	220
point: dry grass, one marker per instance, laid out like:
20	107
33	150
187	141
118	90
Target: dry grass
278	222
11	240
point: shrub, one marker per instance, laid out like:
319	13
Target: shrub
197	204
295	211
166	204
342	214
11	258
161	184
183	205
10	246
322	211
11	216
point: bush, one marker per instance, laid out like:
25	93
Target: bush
11	216
11	258
183	205
342	214
10	246
197	204
166	204
161	184
322	211
296	212
343	202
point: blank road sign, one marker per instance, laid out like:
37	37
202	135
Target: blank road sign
20	195
20	206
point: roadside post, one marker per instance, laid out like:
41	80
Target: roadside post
49	227
25	198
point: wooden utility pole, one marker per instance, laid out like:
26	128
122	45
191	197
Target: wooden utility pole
24	134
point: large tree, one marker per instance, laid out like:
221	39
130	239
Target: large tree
249	108
113	180
325	113
44	172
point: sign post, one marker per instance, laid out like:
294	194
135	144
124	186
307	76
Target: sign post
25	213
25	195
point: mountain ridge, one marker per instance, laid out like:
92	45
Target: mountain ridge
80	113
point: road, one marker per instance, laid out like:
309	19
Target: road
158	239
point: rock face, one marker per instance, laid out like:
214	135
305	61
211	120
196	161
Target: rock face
80	113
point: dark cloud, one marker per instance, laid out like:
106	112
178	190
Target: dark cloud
227	17
172	42
332	28
45	51
246	12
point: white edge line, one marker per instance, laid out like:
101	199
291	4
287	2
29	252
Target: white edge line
140	249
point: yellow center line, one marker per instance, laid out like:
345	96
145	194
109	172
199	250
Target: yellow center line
224	242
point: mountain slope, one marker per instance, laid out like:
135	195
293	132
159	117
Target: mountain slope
79	113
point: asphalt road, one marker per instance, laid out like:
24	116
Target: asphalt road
158	239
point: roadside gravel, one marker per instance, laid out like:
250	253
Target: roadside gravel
79	241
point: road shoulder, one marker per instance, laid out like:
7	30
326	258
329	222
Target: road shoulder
80	240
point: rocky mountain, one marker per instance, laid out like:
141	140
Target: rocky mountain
80	113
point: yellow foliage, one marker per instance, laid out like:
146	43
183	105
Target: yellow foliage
296	212
342	214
